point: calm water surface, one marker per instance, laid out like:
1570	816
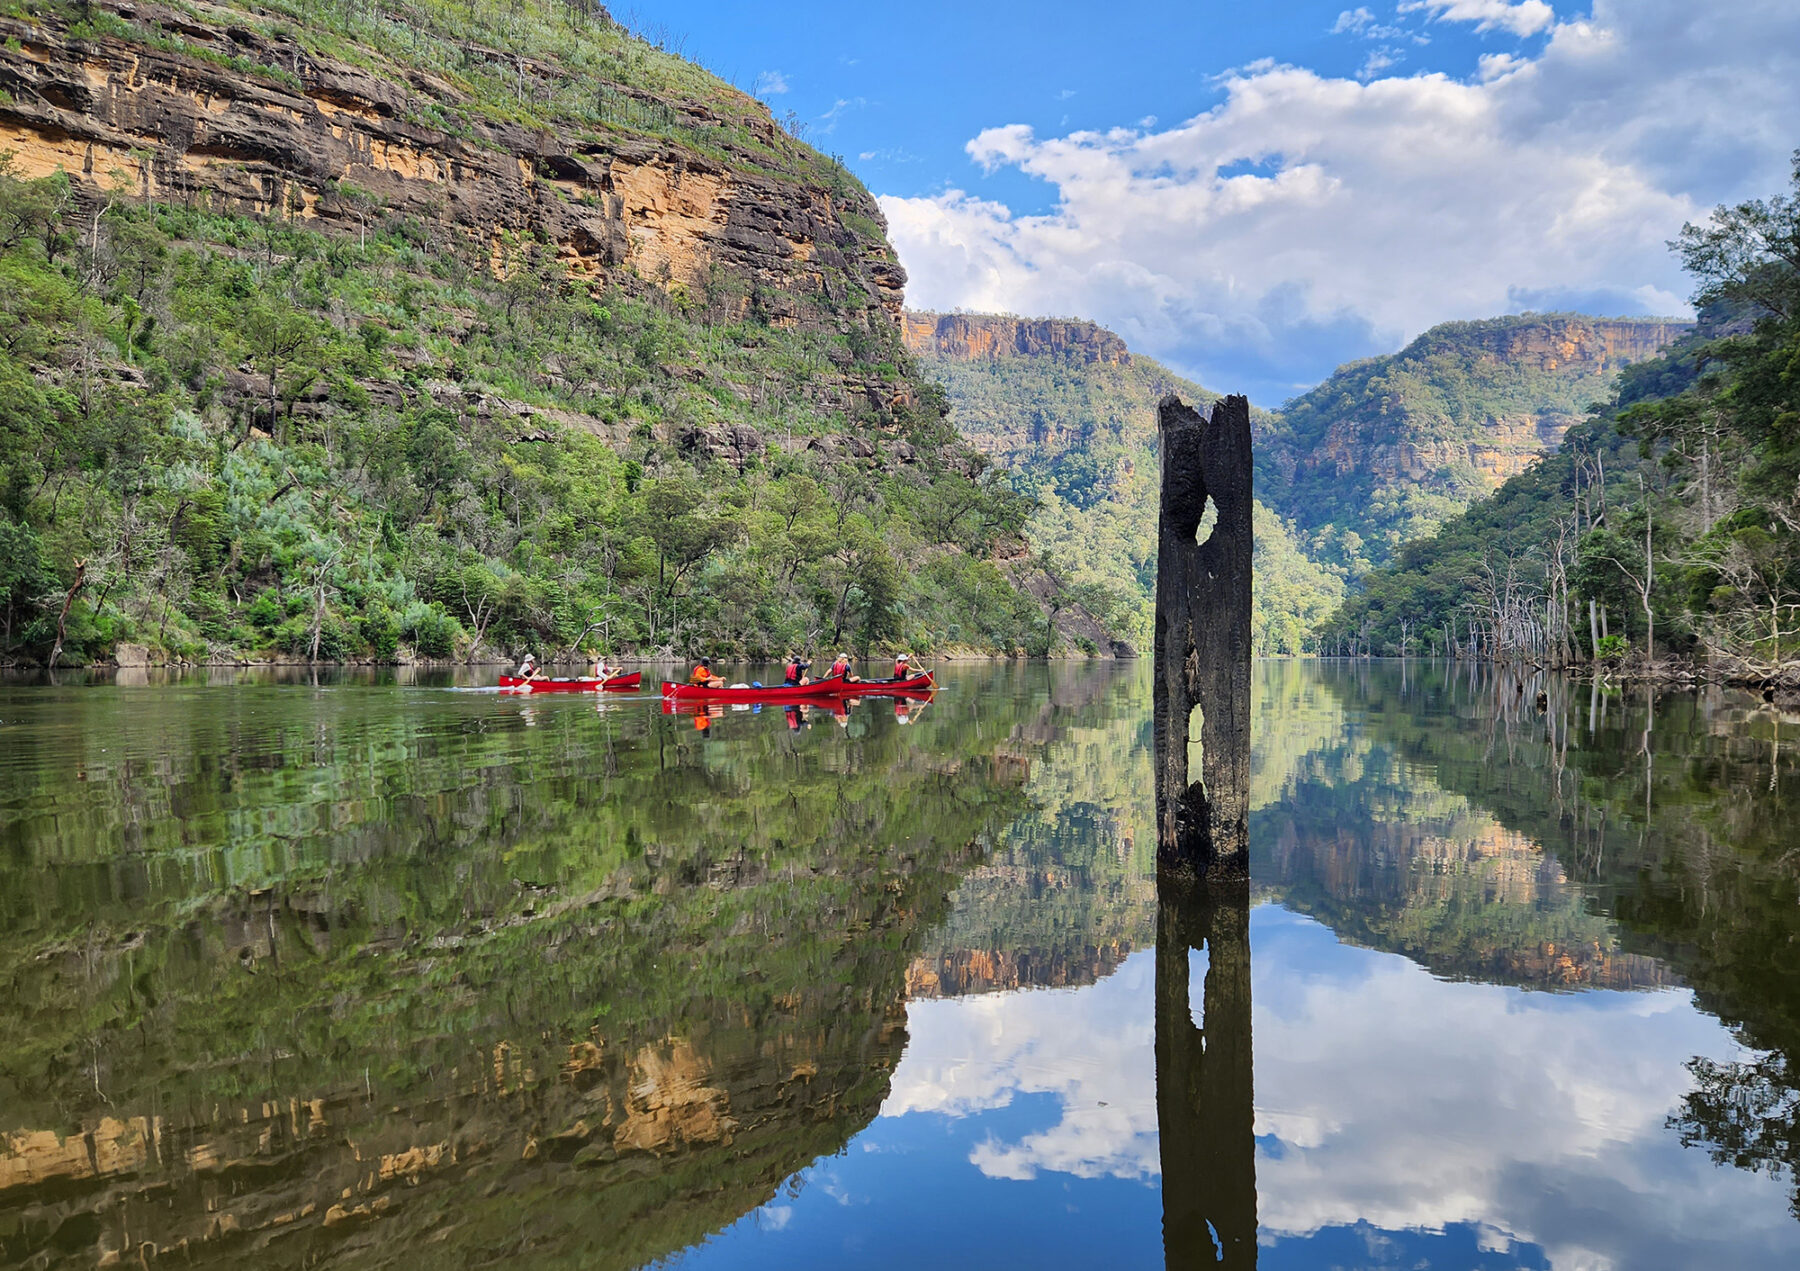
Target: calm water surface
382	973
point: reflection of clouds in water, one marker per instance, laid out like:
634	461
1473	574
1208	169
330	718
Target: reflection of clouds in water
1092	1048
1408	1102
1398	1100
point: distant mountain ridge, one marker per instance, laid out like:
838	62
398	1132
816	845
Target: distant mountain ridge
1388	448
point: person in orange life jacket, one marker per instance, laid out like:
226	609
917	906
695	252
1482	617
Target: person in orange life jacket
795	671
703	675
840	669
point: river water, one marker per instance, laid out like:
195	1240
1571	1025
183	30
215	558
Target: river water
382	971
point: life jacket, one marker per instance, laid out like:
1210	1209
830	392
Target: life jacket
792	671
701	675
902	670
840	668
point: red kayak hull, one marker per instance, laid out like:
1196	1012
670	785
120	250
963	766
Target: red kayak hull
617	684
916	686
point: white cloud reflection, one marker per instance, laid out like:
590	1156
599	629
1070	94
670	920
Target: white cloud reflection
1384	1097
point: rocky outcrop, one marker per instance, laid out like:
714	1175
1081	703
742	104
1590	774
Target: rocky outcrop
976	337
207	107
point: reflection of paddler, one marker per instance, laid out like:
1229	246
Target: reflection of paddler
902	714
796	718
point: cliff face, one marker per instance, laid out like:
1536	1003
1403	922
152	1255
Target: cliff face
206	111
1595	346
977	337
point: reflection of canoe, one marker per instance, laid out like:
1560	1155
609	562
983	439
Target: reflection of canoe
835	706
617	684
914	686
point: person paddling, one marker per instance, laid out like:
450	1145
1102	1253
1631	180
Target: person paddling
903	667
795	672
528	669
703	676
604	670
840	670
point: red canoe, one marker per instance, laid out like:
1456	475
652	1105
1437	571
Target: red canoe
617	684
913	686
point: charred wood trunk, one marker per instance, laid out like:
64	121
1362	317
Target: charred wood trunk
1203	640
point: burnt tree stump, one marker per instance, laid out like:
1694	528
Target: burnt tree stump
1203	640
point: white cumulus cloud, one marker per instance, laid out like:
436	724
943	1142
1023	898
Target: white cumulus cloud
1526	17
771	83
1305	219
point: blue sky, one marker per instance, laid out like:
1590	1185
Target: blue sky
1257	192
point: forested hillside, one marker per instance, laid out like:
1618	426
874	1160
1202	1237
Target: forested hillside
333	331
1669	522
1389	448
1070	414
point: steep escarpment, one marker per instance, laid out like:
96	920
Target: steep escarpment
1390	447
210	106
451	330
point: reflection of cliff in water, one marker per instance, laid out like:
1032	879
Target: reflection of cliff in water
355	978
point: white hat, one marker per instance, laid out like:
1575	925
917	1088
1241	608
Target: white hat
904	657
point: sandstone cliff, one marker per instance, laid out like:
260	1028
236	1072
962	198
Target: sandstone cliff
226	108
974	337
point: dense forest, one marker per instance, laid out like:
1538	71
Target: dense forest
232	433
1668	523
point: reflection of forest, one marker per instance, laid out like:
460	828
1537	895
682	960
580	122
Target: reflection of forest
1351	827
334	978
1068	892
1673	816
341	978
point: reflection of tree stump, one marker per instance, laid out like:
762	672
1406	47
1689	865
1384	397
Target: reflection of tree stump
1205	1108
1203	639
